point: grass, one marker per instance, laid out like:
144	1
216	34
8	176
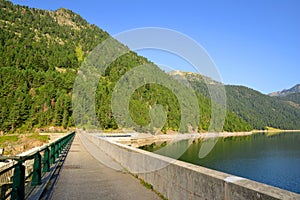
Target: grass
8	138
42	138
272	129
150	187
147	185
14	144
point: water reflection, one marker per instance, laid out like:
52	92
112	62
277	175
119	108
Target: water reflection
273	159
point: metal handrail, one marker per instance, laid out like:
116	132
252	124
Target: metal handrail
51	153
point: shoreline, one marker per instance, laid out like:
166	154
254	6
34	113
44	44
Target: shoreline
139	139
275	130
137	135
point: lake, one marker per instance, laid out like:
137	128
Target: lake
273	159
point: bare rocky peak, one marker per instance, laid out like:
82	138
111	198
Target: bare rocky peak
295	89
65	17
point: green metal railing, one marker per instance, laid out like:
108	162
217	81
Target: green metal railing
43	159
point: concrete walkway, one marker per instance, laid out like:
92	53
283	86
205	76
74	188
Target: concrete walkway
84	177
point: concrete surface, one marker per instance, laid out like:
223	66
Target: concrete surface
83	177
178	180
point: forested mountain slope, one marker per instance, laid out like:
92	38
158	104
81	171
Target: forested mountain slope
293	98
40	54
292	95
262	110
285	92
254	107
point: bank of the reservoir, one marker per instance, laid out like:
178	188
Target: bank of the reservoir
270	158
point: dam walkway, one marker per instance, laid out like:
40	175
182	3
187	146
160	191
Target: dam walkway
82	176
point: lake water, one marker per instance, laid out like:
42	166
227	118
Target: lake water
270	159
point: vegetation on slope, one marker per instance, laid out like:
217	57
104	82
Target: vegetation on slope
293	98
285	92
262	110
259	110
40	53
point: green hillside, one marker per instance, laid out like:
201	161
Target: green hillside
262	110
257	109
292	95
292	98
286	92
40	54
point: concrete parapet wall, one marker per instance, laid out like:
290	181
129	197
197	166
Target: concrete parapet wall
180	180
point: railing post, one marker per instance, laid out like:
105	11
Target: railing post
18	187
56	150
37	170
65	142
60	146
52	154
46	161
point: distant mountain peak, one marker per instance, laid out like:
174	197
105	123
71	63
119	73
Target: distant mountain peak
193	76
65	17
295	89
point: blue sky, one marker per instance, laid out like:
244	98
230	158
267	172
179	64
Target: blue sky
254	43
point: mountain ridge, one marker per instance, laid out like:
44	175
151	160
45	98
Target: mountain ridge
254	107
285	92
43	51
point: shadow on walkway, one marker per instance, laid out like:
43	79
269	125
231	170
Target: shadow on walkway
81	176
